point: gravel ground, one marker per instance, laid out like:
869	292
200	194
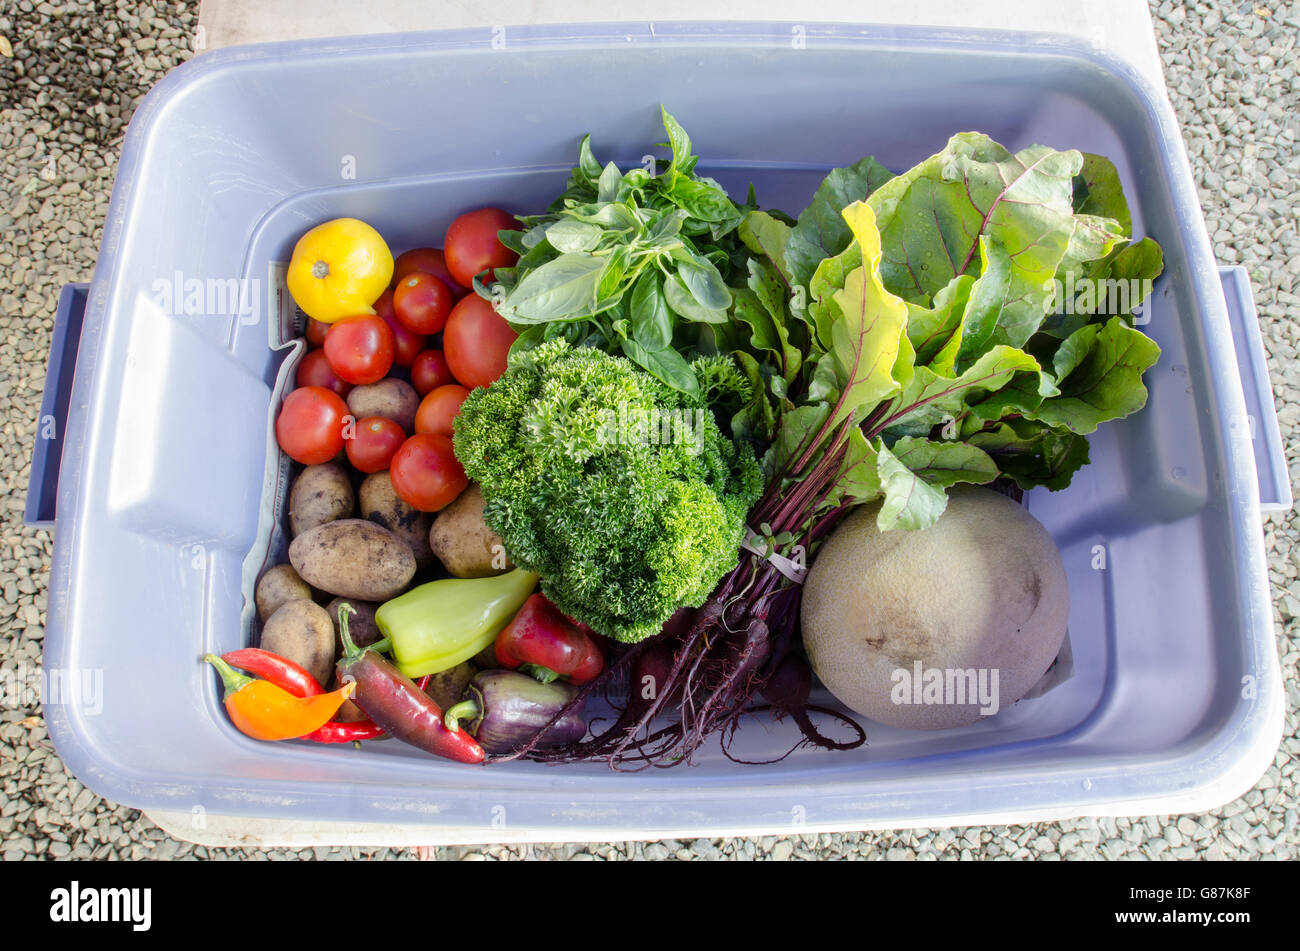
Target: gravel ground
70	74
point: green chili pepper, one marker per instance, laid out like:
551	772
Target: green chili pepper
440	624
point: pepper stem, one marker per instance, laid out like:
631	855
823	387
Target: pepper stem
465	710
231	678
349	649
320	270
539	673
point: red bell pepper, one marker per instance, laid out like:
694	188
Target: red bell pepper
547	644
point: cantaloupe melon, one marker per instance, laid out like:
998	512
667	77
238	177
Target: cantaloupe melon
980	597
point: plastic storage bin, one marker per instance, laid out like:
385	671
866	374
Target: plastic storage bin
167	475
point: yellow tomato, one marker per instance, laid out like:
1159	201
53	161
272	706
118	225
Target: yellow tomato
339	269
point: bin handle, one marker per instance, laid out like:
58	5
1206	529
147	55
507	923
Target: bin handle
47	448
1261	412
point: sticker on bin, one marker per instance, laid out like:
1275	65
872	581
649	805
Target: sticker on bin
288	322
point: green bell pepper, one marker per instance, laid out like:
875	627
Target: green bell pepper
443	623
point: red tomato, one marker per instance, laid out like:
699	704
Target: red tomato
430	261
360	349
406	343
476	342
314	370
429	371
310	425
426	474
384	305
374	443
439	408
316	331
472	244
422	303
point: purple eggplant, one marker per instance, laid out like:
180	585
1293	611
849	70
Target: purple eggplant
504	709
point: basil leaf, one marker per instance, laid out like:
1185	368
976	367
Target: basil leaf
666	365
587	164
704	282
651	320
607	187
678	140
703	201
570	234
558	290
681	299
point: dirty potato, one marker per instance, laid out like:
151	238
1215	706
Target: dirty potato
301	631
463	542
353	558
380	504
320	494
278	585
391	399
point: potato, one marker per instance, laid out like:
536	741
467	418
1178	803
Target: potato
486	659
278	585
320	494
353	558
380	504
979	601
361	625
301	631
463	542
448	687
391	399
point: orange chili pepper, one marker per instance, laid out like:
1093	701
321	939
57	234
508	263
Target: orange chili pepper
260	709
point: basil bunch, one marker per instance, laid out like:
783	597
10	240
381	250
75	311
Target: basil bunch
628	261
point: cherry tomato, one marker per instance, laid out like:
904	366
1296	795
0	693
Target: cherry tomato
360	349
429	371
430	261
426	474
314	370
476	342
439	408
310	425
384	305
315	333
422	303
374	443
472	243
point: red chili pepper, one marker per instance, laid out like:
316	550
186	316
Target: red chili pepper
298	681
337	731
396	703
281	671
548	644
